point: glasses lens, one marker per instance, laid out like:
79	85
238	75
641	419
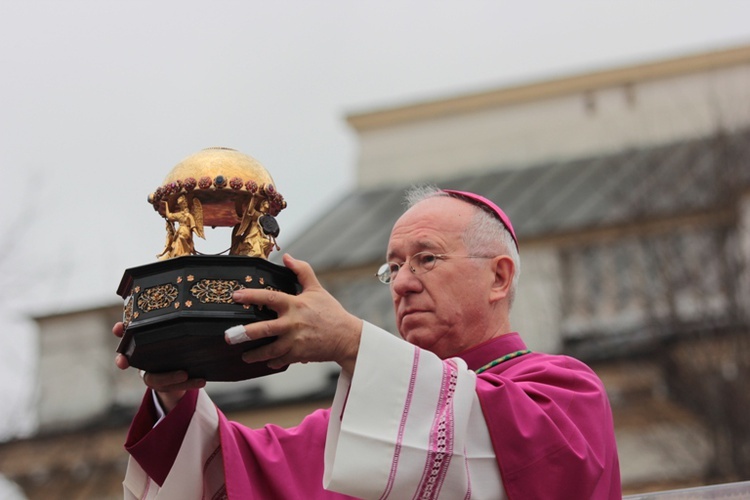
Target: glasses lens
422	262
384	273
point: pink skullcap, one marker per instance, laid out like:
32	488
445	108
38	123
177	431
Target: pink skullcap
487	205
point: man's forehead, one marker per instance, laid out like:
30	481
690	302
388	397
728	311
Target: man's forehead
436	209
414	245
432	224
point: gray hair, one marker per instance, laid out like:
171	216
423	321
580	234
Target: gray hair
485	235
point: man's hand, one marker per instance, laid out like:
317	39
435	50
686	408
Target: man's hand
170	387
311	326
120	360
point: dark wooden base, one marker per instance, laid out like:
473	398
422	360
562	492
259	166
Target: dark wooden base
176	312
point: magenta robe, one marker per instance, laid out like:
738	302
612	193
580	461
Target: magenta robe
550	423
548	417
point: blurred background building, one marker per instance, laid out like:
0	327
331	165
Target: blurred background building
629	189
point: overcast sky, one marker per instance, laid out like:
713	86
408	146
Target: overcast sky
100	99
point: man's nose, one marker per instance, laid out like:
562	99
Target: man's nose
405	281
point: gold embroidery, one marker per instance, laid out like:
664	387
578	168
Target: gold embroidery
157	297
215	291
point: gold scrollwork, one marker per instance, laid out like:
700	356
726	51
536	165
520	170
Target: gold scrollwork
127	312
157	297
215	291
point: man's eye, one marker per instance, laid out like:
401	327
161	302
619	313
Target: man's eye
393	268
426	259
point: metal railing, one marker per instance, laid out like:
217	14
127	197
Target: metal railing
735	491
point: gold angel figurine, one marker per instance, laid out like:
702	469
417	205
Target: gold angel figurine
249	237
169	245
189	219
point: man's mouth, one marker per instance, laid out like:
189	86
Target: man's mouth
411	312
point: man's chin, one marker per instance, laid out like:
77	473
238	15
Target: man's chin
415	335
425	337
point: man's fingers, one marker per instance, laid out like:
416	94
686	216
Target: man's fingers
303	270
159	380
122	362
192	383
271	353
172	381
272	299
253	331
118	330
236	335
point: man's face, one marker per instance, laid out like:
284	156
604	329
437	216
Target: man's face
447	309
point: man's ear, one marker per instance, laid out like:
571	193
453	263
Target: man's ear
505	270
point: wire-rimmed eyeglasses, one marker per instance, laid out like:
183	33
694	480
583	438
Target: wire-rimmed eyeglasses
419	263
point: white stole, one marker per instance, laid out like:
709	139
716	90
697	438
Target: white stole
409	425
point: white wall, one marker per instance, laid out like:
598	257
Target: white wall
578	124
76	368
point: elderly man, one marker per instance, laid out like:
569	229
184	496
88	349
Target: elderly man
457	408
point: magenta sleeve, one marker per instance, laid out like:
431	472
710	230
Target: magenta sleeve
155	448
